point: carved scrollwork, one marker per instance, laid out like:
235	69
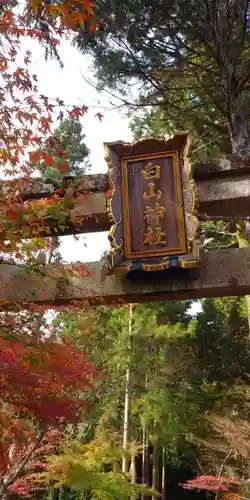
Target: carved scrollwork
114	209
122	202
190	200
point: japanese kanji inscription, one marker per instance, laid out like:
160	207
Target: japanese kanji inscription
152	205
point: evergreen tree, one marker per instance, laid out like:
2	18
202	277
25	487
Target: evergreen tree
71	139
190	59
68	143
180	369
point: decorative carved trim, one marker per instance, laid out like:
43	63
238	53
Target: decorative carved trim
155	267
109	207
115	156
192	259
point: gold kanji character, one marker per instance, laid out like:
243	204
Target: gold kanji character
154	237
152	193
153	215
151	171
158	236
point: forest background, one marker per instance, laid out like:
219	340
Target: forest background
99	403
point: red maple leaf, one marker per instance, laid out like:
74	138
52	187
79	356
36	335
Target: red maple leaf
48	159
99	116
35	156
84	109
14	212
88	6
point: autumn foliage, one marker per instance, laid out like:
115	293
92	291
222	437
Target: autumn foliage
45	382
44	378
210	483
22	452
28	117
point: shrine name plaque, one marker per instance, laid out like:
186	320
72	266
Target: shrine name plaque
152	206
151	202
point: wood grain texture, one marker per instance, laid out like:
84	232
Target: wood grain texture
37	188
137	185
232	164
222	273
141	237
224	197
222	188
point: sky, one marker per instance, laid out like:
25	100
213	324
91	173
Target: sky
70	84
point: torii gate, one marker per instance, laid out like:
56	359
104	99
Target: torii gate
222	190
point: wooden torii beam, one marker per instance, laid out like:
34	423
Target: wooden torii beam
222	273
223	187
223	190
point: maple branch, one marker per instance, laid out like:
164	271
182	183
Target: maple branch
12	478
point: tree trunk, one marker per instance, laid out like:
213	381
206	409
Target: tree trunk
163	475
115	467
50	259
239	131
155	478
239	127
56	494
244	242
126	421
145	460
125	462
133	470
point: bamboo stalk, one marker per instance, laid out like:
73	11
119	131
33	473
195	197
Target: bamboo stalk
155	476
163	475
125	461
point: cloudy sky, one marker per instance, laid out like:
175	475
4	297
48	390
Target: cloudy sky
71	85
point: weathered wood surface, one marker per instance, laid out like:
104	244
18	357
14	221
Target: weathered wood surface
36	188
224	197
233	164
223	186
222	273
230	166
89	202
222	189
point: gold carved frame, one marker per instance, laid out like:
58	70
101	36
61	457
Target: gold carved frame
115	157
182	249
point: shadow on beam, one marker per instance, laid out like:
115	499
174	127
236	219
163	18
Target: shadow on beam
222	273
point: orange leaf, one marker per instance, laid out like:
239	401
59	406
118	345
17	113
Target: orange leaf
35	156
69	271
64	167
55	9
92	26
3	63
34	5
13	213
8	15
